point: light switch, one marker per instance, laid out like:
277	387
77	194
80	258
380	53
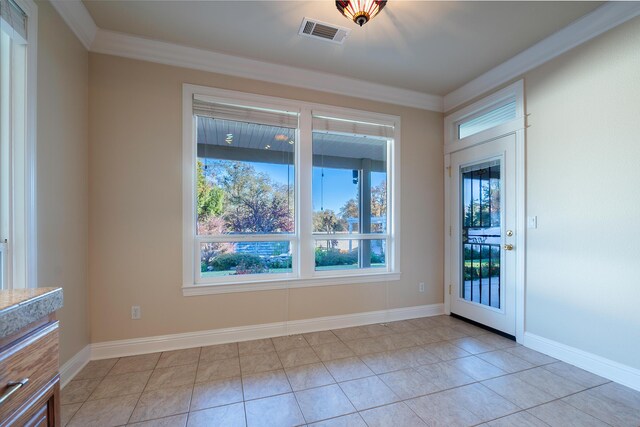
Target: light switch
532	222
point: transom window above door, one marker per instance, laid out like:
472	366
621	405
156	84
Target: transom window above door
282	193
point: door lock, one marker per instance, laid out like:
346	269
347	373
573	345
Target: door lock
508	247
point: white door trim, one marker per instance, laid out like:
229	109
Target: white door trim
452	144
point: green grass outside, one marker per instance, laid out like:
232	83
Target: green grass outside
485	263
208	274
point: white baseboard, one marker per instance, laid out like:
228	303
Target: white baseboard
598	365
74	365
120	348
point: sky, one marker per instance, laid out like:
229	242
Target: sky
332	192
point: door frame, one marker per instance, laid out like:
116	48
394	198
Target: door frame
452	144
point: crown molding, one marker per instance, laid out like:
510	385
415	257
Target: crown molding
77	17
98	40
95	39
119	44
580	31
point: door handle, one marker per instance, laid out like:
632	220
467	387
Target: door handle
12	387
508	247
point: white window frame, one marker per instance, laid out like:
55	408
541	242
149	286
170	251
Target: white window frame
303	240
19	252
513	92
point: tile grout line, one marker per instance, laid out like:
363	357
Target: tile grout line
244	404
378	375
295	397
193	386
143	388
87	398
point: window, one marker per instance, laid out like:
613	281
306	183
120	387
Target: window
495	116
17	141
245	191
278	192
350	194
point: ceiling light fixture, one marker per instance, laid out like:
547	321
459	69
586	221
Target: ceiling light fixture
360	11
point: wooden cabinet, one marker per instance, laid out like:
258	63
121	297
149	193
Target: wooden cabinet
29	379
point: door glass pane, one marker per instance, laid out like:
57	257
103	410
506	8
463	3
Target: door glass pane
481	233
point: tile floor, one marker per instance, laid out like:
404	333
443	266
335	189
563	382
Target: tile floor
436	371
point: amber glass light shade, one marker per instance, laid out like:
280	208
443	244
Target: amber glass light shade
360	11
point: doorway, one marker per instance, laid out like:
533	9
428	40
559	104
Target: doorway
484	212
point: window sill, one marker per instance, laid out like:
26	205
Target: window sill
265	285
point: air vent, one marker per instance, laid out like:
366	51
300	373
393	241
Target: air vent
323	31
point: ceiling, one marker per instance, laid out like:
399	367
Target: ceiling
235	140
431	47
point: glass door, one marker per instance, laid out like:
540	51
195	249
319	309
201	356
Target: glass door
483	268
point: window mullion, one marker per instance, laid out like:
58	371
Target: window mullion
304	167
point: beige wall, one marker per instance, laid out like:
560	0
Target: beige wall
62	157
135	209
583	173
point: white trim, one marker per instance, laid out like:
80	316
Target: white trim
128	46
23	243
120	348
607	368
31	178
453	144
74	365
266	284
580	31
188	183
77	17
521	233
447	233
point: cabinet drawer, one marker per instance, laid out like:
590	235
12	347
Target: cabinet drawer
40	418
33	357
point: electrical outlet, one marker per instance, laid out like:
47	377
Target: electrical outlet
421	286
136	313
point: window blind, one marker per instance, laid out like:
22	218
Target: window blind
491	118
245	114
14	17
329	124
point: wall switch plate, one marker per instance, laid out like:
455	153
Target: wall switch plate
136	313
421	286
532	222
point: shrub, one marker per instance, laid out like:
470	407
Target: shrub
281	261
473	273
243	268
335	257
229	261
377	258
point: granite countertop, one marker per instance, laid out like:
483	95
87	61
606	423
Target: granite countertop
20	307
